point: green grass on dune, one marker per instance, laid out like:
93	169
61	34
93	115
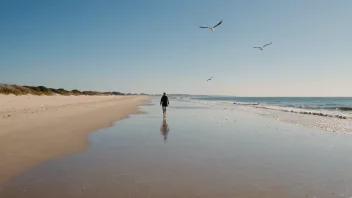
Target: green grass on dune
42	90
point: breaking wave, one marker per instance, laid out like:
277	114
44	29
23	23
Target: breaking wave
306	110
325	110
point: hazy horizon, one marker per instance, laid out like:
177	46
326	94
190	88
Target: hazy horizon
156	46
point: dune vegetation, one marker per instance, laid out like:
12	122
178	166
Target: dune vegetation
42	90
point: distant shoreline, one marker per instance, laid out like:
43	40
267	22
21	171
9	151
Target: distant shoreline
18	90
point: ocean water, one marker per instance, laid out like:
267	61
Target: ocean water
340	107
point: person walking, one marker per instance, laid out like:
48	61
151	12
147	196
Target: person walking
164	102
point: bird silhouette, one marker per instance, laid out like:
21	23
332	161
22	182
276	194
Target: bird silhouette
212	28
261	48
210	78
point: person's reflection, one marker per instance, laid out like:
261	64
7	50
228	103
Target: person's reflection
164	129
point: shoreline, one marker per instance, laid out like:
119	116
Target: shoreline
207	151
35	129
331	114
315	120
325	123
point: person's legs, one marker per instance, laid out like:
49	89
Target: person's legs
164	110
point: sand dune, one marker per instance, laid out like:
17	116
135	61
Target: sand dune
34	129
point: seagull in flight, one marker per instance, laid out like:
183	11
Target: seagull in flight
261	48
210	78
212	28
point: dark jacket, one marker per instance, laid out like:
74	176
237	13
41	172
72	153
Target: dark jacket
164	101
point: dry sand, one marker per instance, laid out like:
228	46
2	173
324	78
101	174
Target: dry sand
34	129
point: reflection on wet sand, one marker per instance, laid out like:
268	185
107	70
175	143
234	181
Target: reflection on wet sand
208	157
164	129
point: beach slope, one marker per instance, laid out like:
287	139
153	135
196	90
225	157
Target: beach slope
34	129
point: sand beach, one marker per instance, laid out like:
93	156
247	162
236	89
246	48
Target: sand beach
34	129
197	150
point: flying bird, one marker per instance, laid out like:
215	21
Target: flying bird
212	28
261	48
210	78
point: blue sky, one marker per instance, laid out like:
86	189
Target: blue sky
156	46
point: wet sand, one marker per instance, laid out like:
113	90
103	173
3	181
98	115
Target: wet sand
197	151
34	129
332	124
